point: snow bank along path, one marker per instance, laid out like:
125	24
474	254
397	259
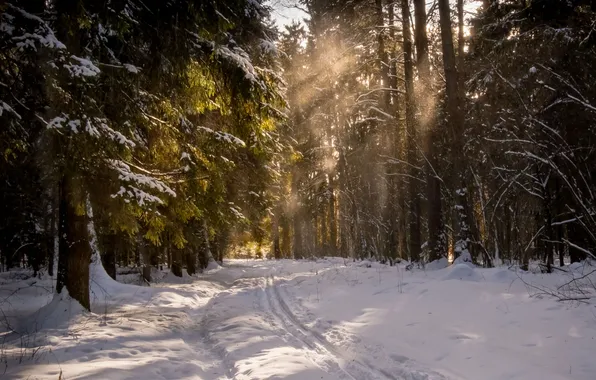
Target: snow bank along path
303	320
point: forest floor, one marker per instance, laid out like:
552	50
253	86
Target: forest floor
306	320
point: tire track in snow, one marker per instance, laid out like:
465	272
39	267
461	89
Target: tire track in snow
392	366
352	368
291	335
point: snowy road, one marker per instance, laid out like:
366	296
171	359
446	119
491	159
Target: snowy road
257	336
305	320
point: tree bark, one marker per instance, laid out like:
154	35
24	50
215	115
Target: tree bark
382	56
455	123
144	257
297	248
411	129
176	261
332	218
53	232
460	33
275	235
191	261
204	248
436	238
108	257
74	249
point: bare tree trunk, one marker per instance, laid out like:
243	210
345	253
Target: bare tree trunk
460	33
322	251
176	259
191	260
54	210
411	129
74	249
144	258
382	56
332	218
108	257
285	236
455	123
436	238
204	250
344	227
275	235
297	248
393	182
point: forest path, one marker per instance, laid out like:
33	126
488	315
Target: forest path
258	331
312	340
329	319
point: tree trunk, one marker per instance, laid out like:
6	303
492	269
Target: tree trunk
393	130
436	238
191	260
74	249
275	235
455	124
204	248
176	261
332	218
382	56
297	248
460	34
285	236
108	257
144	258
411	129
53	238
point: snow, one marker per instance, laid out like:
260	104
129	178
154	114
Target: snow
268	47
6	28
83	67
224	136
131	68
302	320
94	126
238	57
8	108
43	34
127	175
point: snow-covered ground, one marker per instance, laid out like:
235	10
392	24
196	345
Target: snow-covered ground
303	320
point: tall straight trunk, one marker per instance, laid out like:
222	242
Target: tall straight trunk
108	257
344	210
436	238
191	260
392	57
382	56
285	236
548	230
275	235
74	250
460	44
317	236
144	258
455	124
332	218
168	254
411	127
324	217
53	238
204	248
298	249
460	33
390	243
177	256
421	40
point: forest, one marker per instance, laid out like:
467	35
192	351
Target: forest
174	133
